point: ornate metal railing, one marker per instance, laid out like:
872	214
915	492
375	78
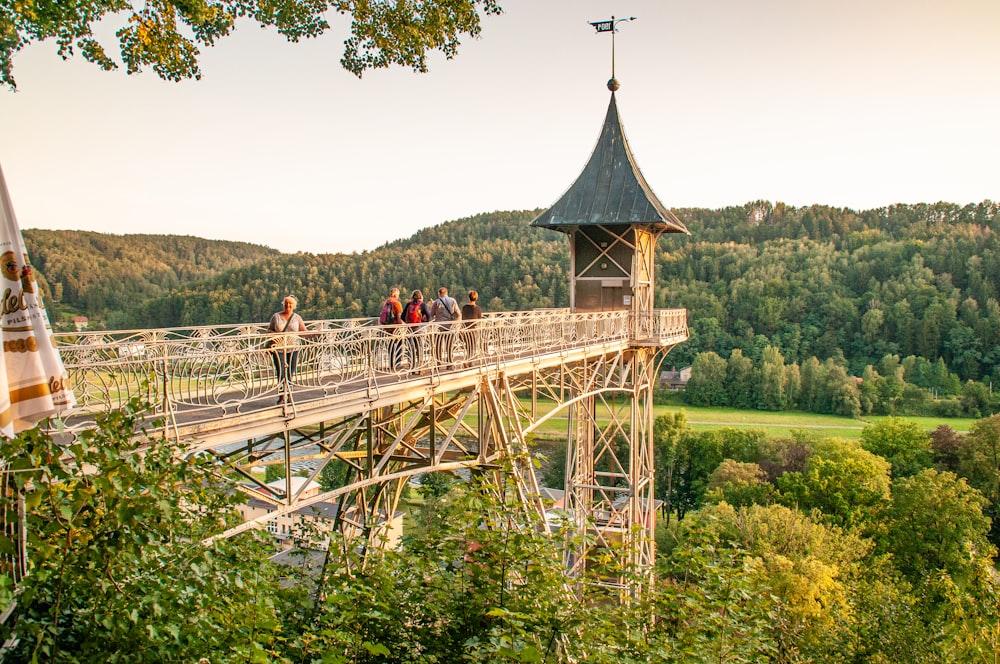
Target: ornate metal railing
219	370
660	327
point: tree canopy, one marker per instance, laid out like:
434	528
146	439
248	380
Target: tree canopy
118	574
167	35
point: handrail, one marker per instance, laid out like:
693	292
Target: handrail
212	371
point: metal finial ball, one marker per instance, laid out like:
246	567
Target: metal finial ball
613	84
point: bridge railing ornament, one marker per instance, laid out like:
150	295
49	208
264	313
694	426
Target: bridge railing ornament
212	371
660	327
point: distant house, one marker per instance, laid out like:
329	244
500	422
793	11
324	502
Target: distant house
80	323
321	515
675	380
554	501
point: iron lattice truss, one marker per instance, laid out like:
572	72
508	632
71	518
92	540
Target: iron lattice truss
604	400
585	376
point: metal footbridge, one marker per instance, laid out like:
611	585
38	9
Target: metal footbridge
215	385
389	402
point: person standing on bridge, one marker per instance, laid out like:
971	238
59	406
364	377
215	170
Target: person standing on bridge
415	313
471	313
286	325
444	311
392	315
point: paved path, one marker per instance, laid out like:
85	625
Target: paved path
779	424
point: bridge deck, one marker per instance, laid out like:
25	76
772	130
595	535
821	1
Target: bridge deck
216	385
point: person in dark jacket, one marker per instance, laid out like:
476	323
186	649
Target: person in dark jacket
470	314
391	316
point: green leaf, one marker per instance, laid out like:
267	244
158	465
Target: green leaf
375	649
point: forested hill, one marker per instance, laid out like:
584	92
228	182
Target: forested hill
137	281
105	276
815	281
905	280
513	265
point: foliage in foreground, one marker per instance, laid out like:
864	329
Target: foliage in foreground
876	569
117	569
167	36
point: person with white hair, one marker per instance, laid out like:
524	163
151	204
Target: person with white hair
285	325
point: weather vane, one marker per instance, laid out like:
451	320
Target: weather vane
612	27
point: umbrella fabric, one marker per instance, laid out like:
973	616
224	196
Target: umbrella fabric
33	380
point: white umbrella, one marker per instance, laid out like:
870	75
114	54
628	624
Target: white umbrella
33	381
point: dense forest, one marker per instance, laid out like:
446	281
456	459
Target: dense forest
904	281
105	276
161	281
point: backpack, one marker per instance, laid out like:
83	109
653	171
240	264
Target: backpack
388	315
413	314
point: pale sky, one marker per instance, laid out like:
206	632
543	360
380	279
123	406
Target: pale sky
858	103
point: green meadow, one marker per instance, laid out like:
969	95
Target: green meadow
776	424
783	423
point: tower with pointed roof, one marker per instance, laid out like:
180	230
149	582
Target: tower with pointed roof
613	220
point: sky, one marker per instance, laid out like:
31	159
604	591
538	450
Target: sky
858	103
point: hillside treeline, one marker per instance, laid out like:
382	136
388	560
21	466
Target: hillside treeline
907	280
105	276
917	280
144	282
512	265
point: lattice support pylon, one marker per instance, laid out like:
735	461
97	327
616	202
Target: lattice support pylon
610	472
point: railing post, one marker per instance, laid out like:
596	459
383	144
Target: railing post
165	397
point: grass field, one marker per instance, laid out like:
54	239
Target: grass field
776	424
783	423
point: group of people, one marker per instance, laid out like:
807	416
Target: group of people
286	327
443	309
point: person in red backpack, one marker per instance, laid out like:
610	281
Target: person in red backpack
392	315
415	312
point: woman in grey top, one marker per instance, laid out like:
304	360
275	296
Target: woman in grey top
286	326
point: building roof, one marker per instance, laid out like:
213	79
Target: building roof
321	510
277	487
611	190
297	483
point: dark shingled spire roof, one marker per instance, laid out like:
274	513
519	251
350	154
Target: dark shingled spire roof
610	190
